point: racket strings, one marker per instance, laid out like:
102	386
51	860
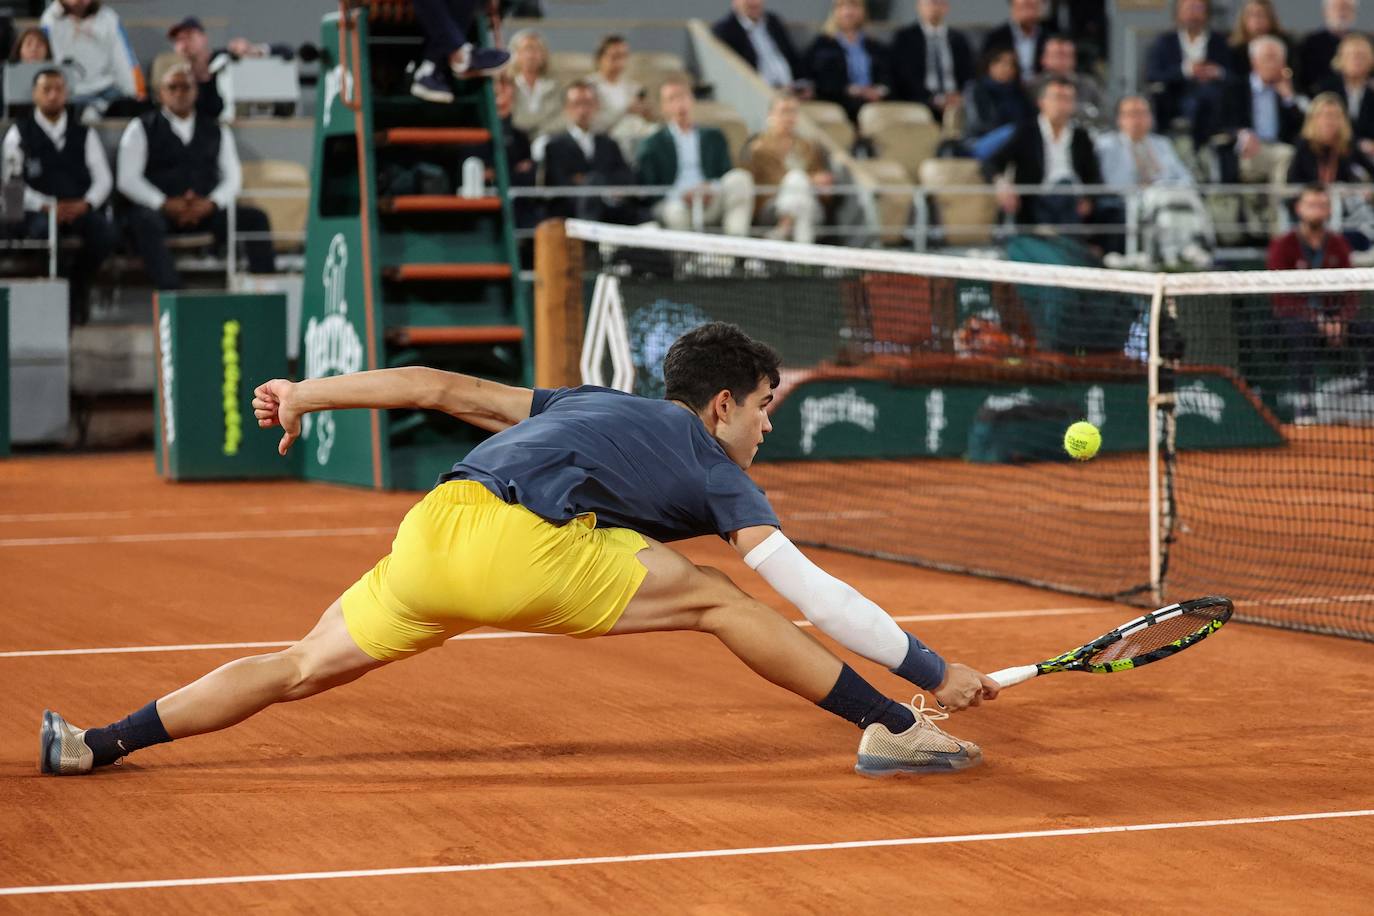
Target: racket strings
1153	638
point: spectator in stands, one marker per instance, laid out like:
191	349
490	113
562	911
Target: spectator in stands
797	167
1085	21
1326	154
1060	59
520	164
1308	324
1176	223
1260	117
762	40
582	157
447	52
1319	48
695	161
90	35
180	172
189	40
931	63
1054	154
1025	33
64	172
995	104
626	114
1255	18
538	105
847	66
31	47
1354	64
1186	69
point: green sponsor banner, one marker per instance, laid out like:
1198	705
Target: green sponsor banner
213	349
4	371
337	445
864	418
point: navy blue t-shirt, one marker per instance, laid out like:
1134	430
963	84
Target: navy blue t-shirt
641	464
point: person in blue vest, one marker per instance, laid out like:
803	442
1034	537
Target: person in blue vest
64	171
180	172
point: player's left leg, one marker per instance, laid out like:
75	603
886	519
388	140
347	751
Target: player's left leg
327	657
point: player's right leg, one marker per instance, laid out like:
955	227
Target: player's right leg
677	595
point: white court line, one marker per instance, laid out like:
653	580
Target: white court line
507	634
670	856
195	536
283	509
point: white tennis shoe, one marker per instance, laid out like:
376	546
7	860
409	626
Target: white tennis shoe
62	748
922	748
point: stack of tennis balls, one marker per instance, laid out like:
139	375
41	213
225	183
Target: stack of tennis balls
1082	440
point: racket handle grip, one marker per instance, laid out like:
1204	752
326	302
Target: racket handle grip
1010	677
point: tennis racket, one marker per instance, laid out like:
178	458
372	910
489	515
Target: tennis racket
1138	642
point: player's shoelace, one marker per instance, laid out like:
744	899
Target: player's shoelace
927	716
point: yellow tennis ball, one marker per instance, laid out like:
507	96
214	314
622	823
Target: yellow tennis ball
1082	440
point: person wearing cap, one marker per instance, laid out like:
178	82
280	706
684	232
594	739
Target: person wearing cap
180	171
214	93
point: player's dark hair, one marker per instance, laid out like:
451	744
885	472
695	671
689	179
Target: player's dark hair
715	357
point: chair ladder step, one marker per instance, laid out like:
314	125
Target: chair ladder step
489	271
462	334
439	203
433	136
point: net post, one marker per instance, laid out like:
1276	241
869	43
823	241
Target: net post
558	315
1154	361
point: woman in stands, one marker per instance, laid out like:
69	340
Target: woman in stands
31	47
538	99
1326	153
995	103
1256	18
1354	64
847	66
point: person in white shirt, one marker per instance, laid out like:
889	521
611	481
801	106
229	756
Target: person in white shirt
66	177
625	113
180	171
91	36
1175	224
538	103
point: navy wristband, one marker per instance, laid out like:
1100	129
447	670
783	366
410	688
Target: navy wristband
922	665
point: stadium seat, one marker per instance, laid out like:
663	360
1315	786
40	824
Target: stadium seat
566	66
832	121
724	117
902	131
651	68
967	219
893	207
287	214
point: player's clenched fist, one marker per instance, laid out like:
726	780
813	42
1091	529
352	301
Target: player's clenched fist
274	405
964	687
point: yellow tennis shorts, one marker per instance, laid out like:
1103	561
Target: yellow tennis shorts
464	558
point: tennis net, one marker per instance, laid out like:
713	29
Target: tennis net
924	400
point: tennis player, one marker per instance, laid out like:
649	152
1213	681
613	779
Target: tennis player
556	524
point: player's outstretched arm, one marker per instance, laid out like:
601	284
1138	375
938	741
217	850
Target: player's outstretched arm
838	610
489	405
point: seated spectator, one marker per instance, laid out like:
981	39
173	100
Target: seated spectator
1259	118
1326	154
761	39
1054	154
1085	21
1186	69
1176	223
31	47
522	170
447	53
1319	48
625	112
1308	324
63	169
180	172
779	157
995	104
581	157
91	36
189	40
695	161
845	65
931	63
1255	18
1025	32
1354	64
538	105
1061	59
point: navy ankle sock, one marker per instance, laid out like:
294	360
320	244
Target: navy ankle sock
132	733
855	699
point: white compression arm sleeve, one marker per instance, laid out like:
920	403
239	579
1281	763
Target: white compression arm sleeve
839	611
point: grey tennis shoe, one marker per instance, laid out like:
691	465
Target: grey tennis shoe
62	748
922	748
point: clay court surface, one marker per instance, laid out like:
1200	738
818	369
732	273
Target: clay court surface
518	774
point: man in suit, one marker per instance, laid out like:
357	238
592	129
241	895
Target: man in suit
1053	153
577	157
64	172
180	171
1025	32
1175	223
695	161
1061	59
1186	69
1319	48
761	39
931	63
